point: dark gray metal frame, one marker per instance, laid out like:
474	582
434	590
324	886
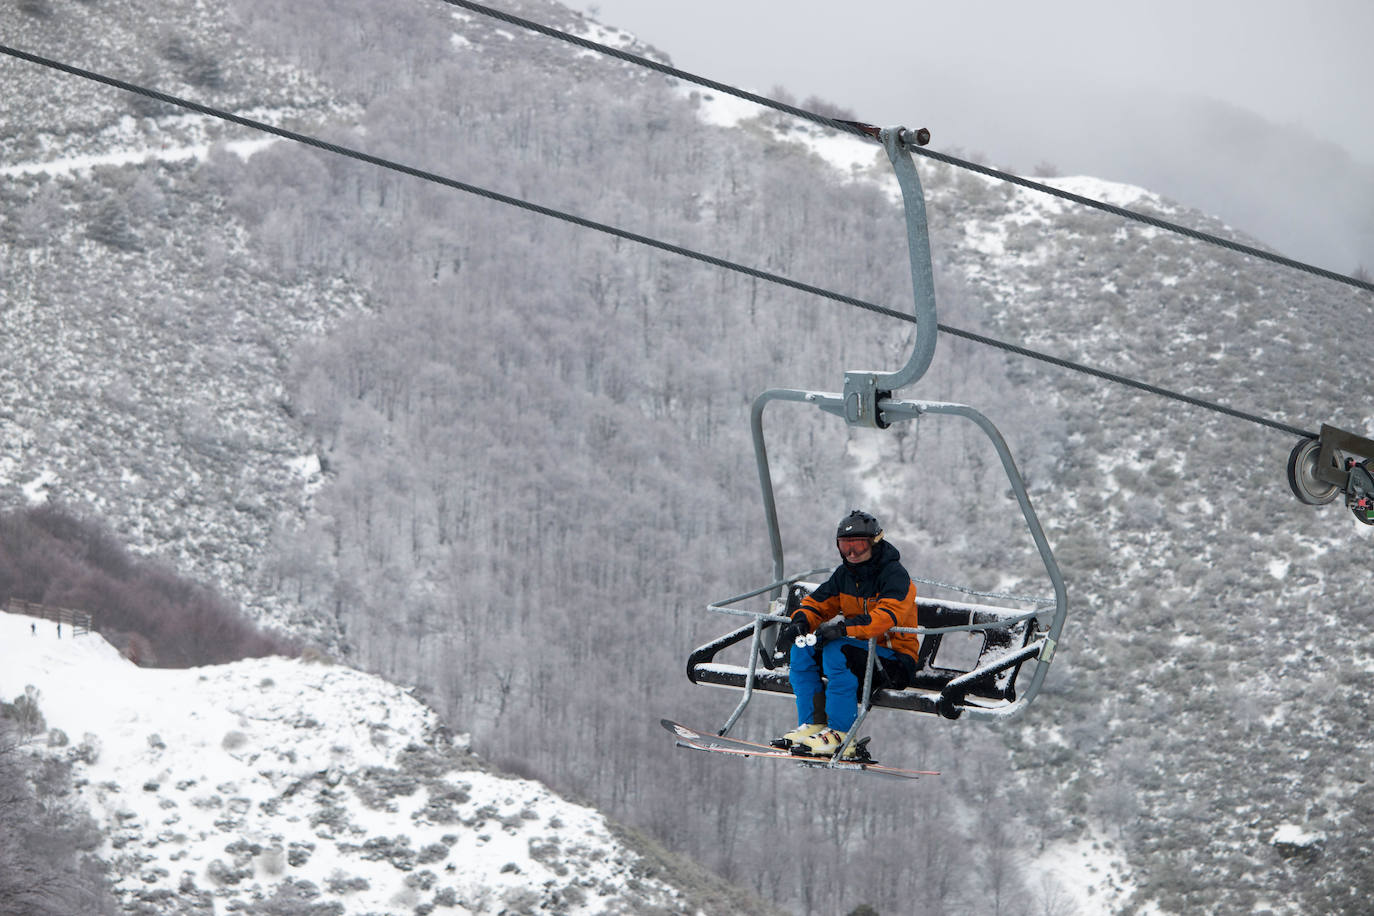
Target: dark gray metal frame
867	401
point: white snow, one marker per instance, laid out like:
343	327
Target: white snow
229	780
845	152
611	37
307	467
70	164
1293	835
36	490
1086	871
719	109
1108	192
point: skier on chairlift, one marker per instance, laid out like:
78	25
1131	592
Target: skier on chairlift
867	594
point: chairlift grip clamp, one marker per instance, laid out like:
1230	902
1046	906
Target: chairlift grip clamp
861	397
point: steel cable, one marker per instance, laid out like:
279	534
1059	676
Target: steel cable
857	129
649	241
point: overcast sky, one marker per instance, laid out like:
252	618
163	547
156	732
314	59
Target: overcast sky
1108	89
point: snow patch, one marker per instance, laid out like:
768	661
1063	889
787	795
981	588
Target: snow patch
1089	872
719	109
305	465
1293	835
1108	192
36	490
72	164
606	35
224	783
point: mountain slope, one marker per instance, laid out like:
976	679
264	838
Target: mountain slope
507	461
269	782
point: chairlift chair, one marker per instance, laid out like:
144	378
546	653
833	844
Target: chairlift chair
1006	638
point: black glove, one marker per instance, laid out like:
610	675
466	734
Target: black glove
831	629
787	636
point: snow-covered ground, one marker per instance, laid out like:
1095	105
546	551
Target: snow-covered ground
69	164
1083	877
275	776
138	150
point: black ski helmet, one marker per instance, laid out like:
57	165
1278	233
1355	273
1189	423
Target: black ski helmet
858	524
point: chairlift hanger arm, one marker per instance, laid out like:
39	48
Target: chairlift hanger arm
864	388
918	252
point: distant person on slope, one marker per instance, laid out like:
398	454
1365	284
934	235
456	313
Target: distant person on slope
867	595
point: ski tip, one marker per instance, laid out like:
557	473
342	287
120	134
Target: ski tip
680	731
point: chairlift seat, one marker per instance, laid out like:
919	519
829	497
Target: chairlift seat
950	678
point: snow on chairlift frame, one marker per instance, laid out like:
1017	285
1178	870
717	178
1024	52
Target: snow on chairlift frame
1010	636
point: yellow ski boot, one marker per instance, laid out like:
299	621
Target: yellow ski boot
826	743
798	735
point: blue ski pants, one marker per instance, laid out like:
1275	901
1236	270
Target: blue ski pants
827	681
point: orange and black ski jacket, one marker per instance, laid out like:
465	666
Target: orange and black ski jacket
873	596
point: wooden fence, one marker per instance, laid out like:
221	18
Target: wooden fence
79	621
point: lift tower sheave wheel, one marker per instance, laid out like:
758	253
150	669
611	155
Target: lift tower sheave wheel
1336	462
1302	474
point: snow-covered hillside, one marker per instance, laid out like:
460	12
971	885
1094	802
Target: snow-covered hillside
277	779
282	375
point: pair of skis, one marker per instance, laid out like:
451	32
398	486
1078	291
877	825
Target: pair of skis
702	741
